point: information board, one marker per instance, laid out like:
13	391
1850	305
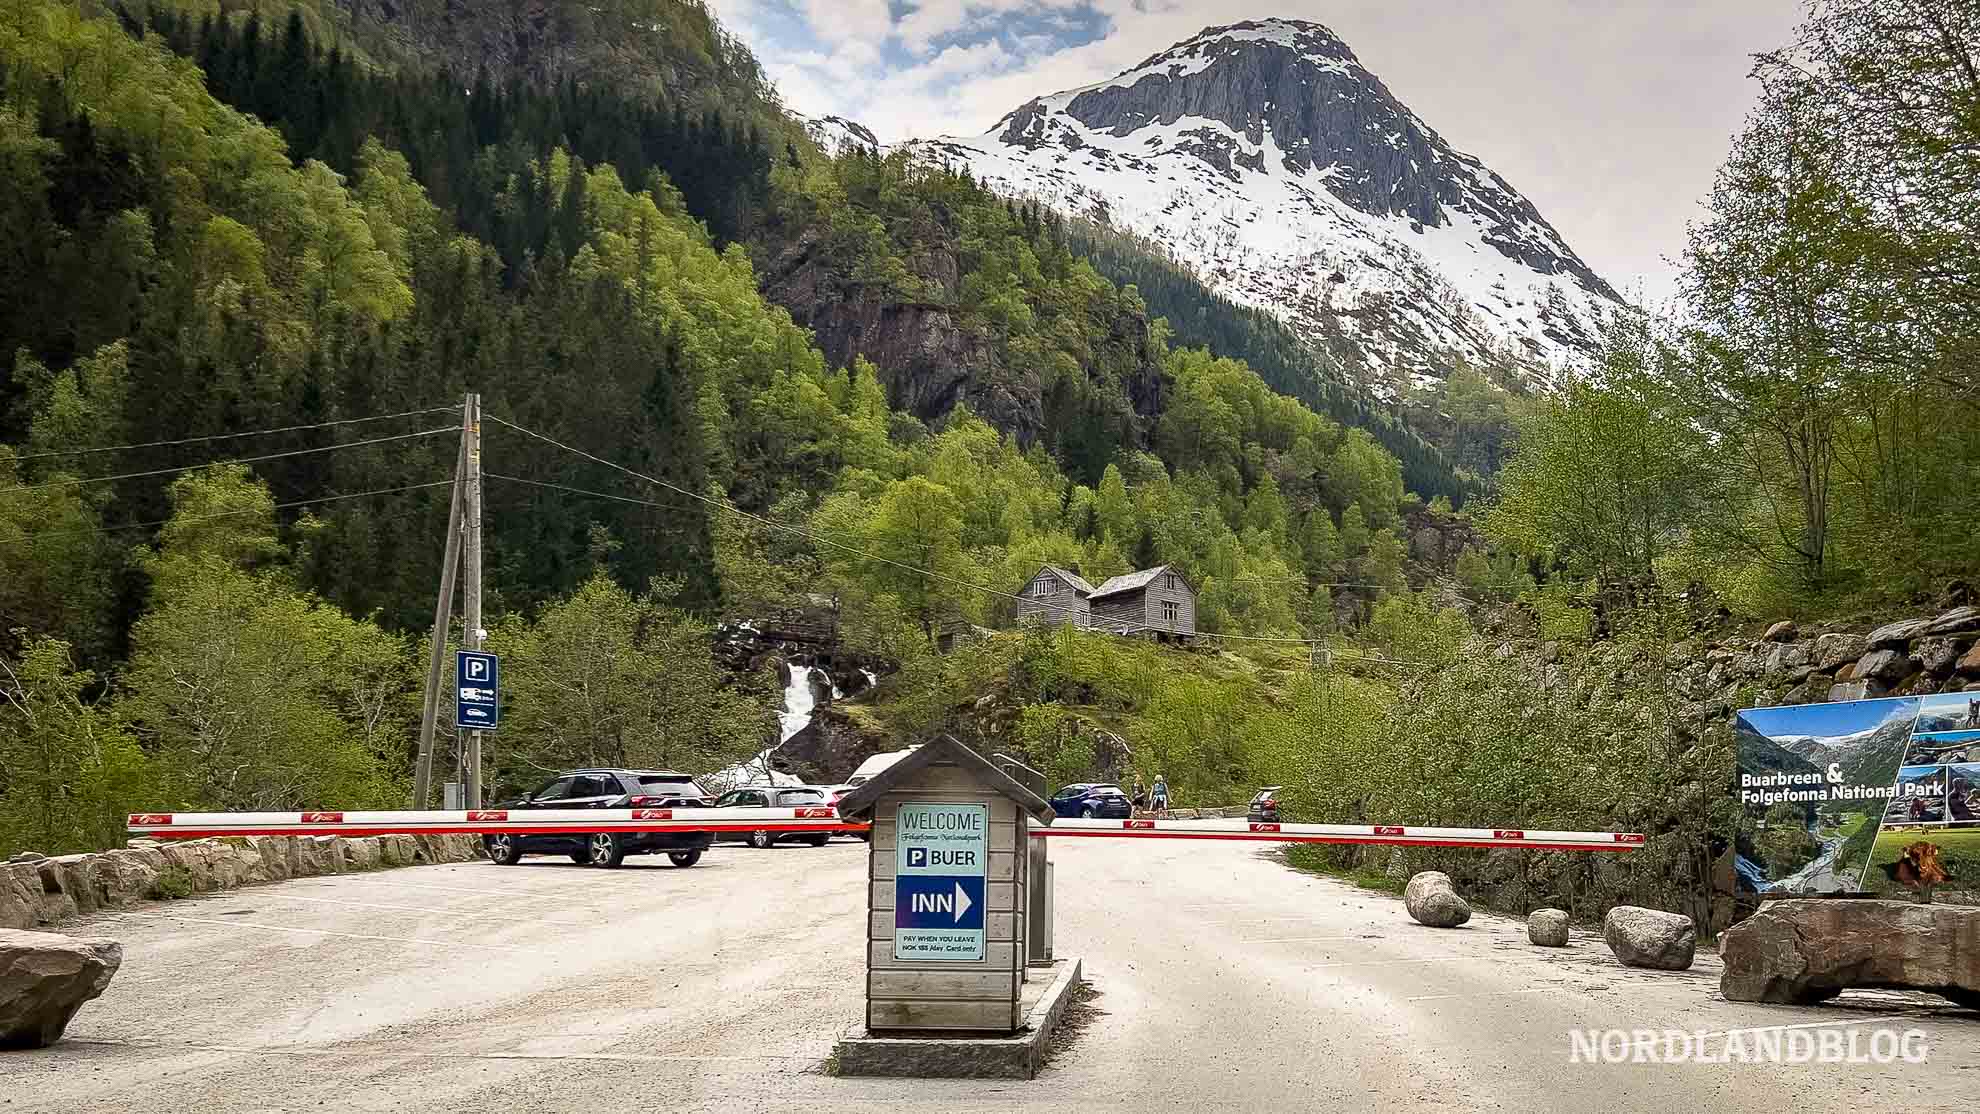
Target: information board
941	861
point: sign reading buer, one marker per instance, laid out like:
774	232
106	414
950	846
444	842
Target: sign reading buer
941	861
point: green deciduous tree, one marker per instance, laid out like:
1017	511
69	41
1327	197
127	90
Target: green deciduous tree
69	771
606	678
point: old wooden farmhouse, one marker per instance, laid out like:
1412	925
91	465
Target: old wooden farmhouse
1158	603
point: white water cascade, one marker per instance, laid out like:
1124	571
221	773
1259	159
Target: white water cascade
798	704
795	716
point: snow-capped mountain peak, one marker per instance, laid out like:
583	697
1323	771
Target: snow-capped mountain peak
1264	155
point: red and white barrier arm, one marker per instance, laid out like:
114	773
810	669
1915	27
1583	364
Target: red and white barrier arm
1398	835
489	821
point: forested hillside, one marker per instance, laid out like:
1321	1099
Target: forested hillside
229	242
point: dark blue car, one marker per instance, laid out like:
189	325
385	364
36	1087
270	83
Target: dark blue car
1091	800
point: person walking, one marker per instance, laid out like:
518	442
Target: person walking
1158	800
1140	794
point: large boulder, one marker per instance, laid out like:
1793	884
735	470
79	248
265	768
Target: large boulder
124	876
1882	665
1650	937
1833	650
1432	900
1898	633
1547	928
1970	664
362	853
1804	951
1937	655
20	896
1960	620
45	979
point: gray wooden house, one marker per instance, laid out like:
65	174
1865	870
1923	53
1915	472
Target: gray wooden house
1159	603
1055	597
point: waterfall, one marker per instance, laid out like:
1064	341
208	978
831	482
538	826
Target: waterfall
798	704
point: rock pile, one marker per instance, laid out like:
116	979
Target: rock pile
1789	665
37	890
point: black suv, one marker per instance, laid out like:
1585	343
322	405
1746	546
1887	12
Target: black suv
606	789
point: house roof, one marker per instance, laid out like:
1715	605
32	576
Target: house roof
1070	577
1128	582
945	748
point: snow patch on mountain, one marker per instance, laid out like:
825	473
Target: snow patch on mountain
1266	158
836	135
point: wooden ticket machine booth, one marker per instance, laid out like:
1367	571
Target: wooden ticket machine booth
947	931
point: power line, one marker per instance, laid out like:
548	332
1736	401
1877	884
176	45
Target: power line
223	514
583	491
236	460
723	504
231	436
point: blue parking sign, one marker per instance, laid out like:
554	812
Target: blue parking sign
477	700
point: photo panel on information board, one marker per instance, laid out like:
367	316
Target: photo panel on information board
1943	748
1815	780
1948	711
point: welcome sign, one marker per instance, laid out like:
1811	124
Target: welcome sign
941	862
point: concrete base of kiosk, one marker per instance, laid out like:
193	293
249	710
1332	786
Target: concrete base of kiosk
964	1057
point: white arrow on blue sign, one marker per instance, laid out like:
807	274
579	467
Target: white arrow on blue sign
477	699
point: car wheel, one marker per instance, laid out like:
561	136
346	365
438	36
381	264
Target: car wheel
684	858
503	850
817	840
761	840
605	850
1086	813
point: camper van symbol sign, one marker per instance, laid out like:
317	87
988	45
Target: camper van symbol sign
941	858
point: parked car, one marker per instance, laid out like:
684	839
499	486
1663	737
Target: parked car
1264	807
1093	800
872	766
832	794
770	796
606	789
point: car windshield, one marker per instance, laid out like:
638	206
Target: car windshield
797	798
669	783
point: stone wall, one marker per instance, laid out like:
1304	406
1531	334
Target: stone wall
36	890
1788	665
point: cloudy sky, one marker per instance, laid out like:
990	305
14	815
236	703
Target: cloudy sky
1610	114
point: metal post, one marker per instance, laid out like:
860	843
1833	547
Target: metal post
443	618
1038	901
471	591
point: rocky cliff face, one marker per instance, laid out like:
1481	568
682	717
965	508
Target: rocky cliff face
670	46
929	358
1266	156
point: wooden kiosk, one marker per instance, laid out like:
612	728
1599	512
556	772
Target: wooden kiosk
946	892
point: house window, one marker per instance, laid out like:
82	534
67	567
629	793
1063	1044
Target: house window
1171	611
1041	588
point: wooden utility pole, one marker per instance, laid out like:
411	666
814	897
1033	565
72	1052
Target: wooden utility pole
471	591
443	618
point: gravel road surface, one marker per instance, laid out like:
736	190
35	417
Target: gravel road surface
1224	981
